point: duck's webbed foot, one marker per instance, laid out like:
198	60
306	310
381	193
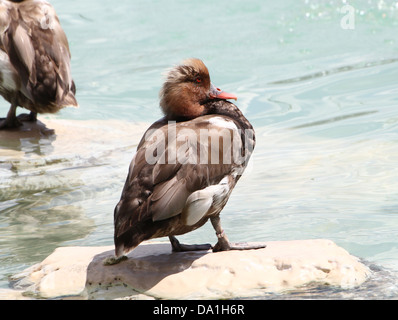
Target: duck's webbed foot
179	247
9	123
113	260
224	245
31	117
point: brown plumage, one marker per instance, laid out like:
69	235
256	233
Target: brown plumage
34	60
175	183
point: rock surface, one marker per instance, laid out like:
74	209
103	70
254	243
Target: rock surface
153	271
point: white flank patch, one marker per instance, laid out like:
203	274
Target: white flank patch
199	202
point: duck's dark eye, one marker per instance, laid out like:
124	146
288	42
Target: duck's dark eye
198	80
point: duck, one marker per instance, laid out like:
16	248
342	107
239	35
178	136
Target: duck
182	175
34	61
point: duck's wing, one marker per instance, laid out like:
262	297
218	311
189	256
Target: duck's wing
38	49
5	19
170	165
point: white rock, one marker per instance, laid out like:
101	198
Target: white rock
152	270
9	294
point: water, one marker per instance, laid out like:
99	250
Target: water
323	101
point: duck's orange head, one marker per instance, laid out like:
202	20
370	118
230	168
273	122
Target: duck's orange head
186	88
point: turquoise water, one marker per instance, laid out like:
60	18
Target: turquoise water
323	101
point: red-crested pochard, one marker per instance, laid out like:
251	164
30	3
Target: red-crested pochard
34	61
186	165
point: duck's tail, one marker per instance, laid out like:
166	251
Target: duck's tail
66	98
69	100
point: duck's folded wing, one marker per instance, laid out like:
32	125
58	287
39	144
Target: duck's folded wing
158	188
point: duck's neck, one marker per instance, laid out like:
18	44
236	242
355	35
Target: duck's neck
226	108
